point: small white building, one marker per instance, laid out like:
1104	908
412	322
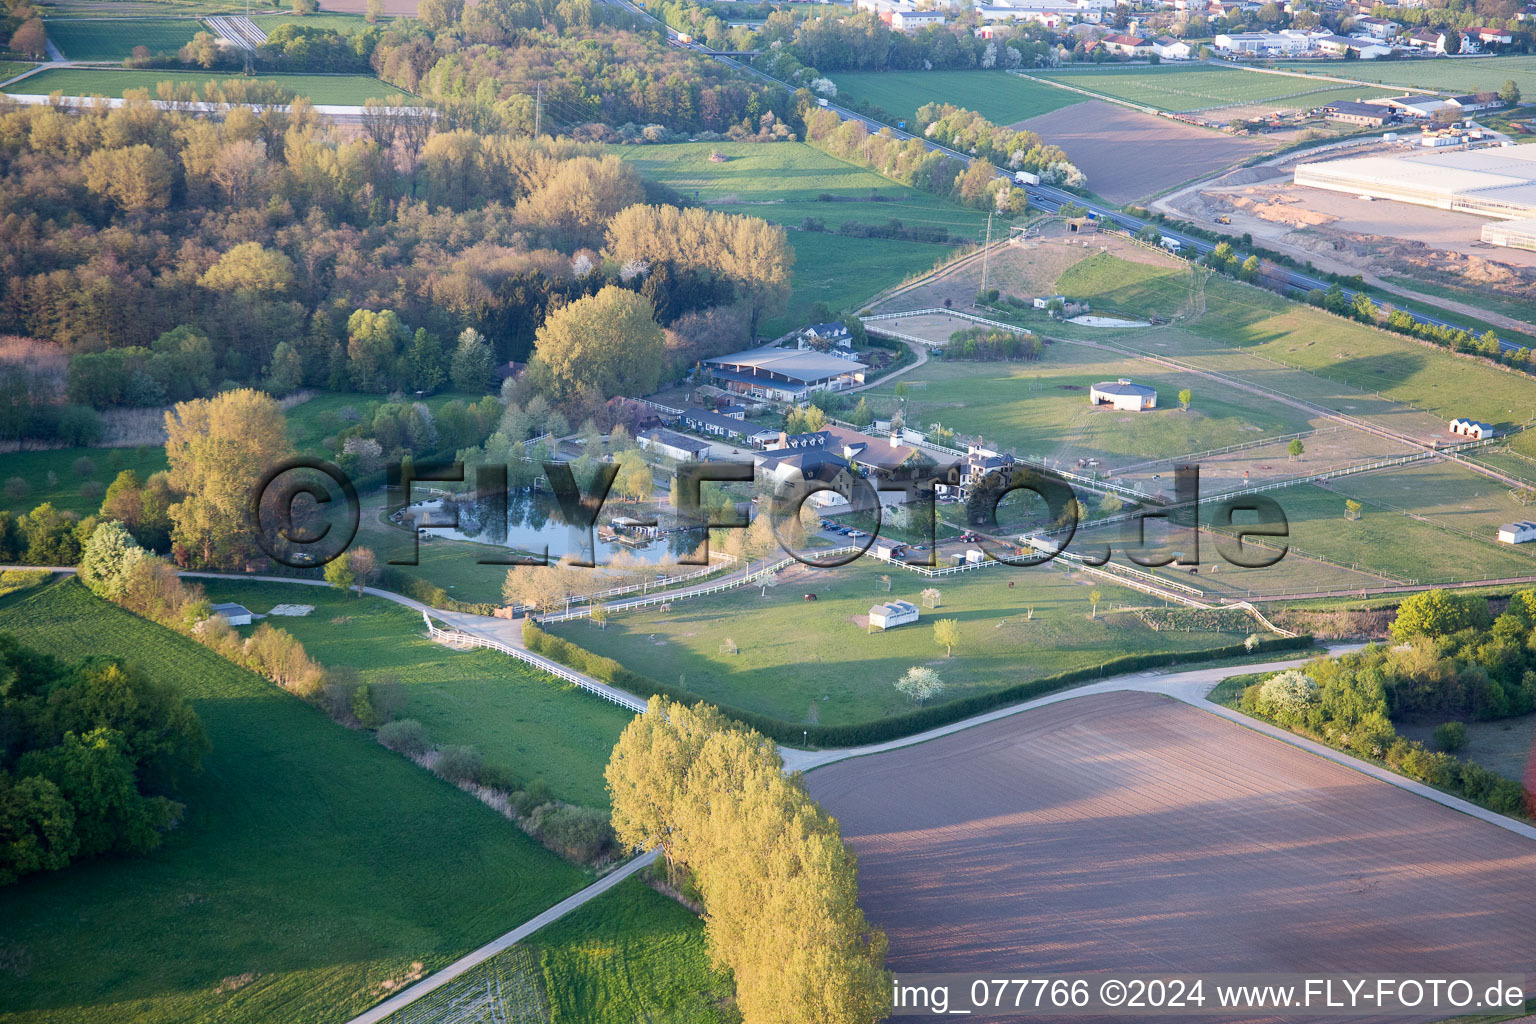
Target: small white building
1168	48
892	614
1518	533
234	614
1123	395
1476	429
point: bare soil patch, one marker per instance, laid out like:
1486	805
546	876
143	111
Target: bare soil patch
1127	832
1022	270
1128	155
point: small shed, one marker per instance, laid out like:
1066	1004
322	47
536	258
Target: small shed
234	614
892	614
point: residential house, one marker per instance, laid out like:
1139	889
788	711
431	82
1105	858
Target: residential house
1127	46
1169	48
1428	39
905	20
1376	28
824	336
1492	37
979	463
829	475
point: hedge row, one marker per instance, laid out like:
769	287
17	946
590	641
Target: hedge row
920	720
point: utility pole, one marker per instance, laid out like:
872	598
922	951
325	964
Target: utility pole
986	254
538	107
249	68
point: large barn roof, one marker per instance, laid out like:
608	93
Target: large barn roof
808	367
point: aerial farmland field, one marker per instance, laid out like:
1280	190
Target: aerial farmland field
999	97
1129	832
114	39
321	89
1458	75
1182	89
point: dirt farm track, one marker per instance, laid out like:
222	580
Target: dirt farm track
1130	832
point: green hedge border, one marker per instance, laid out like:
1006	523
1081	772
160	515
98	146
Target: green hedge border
898	726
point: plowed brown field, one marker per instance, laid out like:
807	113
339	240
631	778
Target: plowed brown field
1129	832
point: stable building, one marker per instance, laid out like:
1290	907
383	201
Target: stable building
234	614
672	445
1123	395
892	614
1353	112
1522	532
1476	429
785	375
731	428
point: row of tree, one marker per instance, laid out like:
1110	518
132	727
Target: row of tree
778	886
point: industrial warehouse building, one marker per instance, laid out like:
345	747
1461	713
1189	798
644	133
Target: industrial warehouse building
1123	395
1494	182
1516	234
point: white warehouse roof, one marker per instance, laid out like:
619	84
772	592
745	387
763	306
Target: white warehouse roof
1494	182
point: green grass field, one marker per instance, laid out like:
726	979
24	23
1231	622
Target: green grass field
784	182
632	955
1429	378
343	23
67	489
844	272
812	662
1041	409
996	95
781	182
313	865
1459	75
1113	285
11	68
115	38
519	719
1386	539
350	90
1192	88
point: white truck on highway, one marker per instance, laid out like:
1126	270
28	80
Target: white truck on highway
1171	244
1026	178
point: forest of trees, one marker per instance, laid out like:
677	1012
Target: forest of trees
154	257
